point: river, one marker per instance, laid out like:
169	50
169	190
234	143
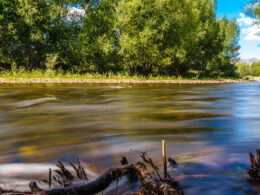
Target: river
209	130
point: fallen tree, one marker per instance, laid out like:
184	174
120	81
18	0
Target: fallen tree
151	181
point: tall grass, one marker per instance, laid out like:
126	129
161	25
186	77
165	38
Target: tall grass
20	74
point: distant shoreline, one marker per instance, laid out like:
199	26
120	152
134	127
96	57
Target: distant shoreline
112	81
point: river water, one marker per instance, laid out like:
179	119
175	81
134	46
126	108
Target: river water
209	130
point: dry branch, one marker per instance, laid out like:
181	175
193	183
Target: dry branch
148	184
151	182
254	171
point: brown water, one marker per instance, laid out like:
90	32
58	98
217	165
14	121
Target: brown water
209	130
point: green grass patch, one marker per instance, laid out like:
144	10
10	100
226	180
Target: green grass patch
60	76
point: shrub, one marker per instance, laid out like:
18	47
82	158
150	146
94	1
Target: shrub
51	61
255	69
243	69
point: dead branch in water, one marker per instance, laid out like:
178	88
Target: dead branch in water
164	160
254	171
151	183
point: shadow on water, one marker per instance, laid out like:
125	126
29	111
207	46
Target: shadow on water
209	129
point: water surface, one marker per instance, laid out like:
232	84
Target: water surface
209	130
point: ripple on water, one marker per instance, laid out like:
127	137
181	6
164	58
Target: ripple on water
33	102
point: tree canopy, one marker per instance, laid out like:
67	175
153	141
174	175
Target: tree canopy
255	69
253	9
158	37
243	69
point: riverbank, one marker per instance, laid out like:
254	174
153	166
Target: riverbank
254	78
110	79
21	76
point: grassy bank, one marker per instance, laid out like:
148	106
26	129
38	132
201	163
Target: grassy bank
255	78
39	76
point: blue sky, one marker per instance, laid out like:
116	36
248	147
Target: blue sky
249	41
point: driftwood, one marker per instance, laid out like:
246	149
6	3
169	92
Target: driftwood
254	171
151	181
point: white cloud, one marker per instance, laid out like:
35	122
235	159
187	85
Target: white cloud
243	20
252	31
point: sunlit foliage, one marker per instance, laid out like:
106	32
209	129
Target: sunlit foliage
255	69
144	37
243	69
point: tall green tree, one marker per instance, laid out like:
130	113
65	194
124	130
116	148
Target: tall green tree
223	63
30	29
170	37
243	69
174	36
255	69
96	48
137	24
253	9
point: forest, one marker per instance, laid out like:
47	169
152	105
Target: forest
134	37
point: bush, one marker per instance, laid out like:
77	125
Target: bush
243	69
255	69
51	61
14	68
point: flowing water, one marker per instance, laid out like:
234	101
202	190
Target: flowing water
209	130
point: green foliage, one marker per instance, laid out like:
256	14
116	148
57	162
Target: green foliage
31	29
51	61
253	9
97	43
243	69
21	75
145	37
13	68
175	36
255	69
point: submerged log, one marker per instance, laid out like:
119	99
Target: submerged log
100	184
151	181
77	183
149	185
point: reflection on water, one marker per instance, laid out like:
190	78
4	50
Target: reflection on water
208	129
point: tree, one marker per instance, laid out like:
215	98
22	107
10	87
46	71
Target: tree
174	36
223	63
137	26
255	69
253	9
97	44
243	69
169	37
29	30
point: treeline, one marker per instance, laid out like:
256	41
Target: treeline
146	37
244	69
